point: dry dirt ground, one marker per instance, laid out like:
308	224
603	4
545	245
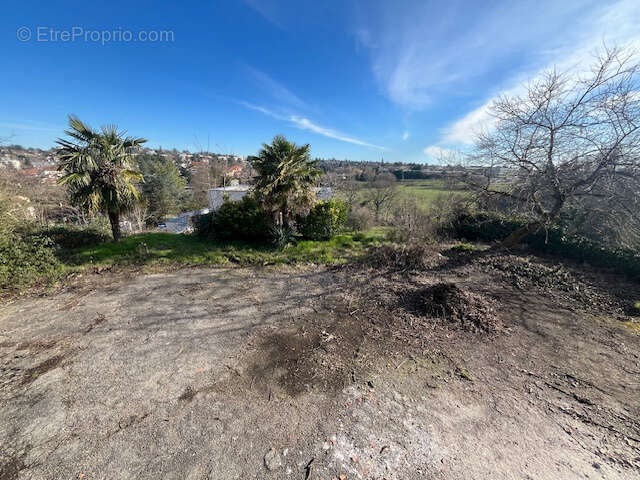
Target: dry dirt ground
324	373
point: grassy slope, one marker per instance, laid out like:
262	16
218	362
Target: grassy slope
166	248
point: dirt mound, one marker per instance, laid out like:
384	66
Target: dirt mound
470	310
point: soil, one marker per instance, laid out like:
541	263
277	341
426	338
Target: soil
326	373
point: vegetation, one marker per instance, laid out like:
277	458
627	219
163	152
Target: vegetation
574	141
380	193
489	227
70	236
170	249
324	220
243	220
98	170
163	189
285	177
104	174
427	192
25	258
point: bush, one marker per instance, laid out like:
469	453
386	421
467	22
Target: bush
411	223
26	261
360	218
70	237
242	220
325	219
555	240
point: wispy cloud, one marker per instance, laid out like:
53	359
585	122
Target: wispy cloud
405	135
614	25
422	52
267	9
275	89
304	123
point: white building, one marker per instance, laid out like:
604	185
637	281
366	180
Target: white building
216	196
184	222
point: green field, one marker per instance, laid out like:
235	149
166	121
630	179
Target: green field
424	192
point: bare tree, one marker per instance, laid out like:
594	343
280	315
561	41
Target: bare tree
572	142
138	216
381	192
350	190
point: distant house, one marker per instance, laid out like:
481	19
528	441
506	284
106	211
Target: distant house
234	171
8	162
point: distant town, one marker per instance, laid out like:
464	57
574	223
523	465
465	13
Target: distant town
38	163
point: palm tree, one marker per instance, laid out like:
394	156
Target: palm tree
286	174
98	170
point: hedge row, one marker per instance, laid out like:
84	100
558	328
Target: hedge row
247	220
556	240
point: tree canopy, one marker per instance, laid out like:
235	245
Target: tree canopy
98	169
285	177
163	189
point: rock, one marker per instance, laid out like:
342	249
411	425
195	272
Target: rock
272	460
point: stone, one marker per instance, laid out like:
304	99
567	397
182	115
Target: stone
272	460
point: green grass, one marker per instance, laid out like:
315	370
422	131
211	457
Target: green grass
167	249
424	192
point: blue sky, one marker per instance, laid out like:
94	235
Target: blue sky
407	80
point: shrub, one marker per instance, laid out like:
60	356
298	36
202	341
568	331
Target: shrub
242	220
411	223
325	219
463	248
555	240
26	261
360	218
70	237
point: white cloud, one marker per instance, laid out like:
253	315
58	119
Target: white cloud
305	124
438	153
465	129
405	135
612	25
420	53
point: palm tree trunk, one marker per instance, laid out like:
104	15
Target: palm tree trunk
114	219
